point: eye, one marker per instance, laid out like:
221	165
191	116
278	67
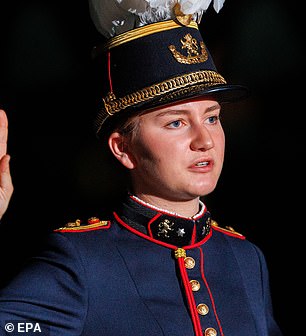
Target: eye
175	124
213	119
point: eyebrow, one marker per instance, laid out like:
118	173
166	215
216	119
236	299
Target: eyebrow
186	111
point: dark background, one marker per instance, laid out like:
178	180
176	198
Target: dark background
48	87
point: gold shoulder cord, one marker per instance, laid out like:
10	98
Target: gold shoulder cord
93	223
226	228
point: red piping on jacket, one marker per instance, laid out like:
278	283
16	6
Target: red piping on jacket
183	272
209	292
190	298
151	221
143	235
227	232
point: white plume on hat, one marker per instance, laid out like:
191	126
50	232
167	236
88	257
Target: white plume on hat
113	17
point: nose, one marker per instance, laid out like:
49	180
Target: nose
201	138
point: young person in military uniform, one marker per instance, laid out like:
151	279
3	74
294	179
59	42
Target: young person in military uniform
160	265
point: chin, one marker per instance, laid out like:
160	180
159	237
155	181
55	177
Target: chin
204	190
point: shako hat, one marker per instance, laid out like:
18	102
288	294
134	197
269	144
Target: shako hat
155	56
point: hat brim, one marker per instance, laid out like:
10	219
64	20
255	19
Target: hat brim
223	93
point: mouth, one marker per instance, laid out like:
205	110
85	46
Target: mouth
202	164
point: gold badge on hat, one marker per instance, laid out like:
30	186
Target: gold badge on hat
192	48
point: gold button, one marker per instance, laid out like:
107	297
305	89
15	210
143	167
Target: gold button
189	262
210	332
202	309
195	285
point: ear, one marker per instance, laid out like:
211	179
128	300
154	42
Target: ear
119	147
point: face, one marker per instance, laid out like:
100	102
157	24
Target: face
178	151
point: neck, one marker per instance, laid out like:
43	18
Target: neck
183	208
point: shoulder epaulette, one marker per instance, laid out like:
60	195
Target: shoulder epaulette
227	230
93	223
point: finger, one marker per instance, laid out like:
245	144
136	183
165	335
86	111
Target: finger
5	164
6	185
3	119
5	175
3	133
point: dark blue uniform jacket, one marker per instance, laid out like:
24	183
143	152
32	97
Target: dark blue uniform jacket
127	276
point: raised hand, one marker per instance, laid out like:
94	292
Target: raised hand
6	185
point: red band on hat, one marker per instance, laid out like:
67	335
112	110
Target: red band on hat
109	71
